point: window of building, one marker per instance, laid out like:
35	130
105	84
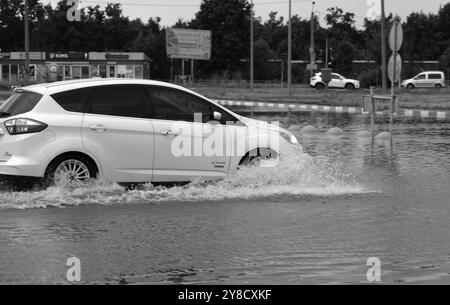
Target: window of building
5	73
139	72
125	101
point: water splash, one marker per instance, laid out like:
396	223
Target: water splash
295	176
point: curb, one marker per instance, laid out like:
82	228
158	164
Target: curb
285	107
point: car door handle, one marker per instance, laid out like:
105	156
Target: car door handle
169	133
99	128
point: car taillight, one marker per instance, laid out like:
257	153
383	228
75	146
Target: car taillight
24	126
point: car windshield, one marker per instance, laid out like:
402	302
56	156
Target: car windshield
19	102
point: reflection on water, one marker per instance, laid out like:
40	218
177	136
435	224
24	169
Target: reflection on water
314	219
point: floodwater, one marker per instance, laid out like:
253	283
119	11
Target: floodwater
315	219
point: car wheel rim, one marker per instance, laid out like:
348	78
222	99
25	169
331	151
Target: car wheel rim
71	171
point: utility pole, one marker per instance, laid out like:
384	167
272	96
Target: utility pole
312	51
27	44
383	48
326	53
289	61
252	58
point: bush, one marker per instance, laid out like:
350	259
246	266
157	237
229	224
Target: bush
369	78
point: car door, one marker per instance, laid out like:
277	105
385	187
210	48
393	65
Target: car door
116	129
420	80
335	81
187	143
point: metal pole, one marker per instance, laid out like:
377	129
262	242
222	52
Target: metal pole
394	74
289	72
383	48
252	59
326	53
192	70
372	116
171	69
312	51
282	73
27	43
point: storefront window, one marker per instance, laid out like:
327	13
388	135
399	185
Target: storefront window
85	72
129	71
5	73
95	71
103	71
76	72
112	71
139	72
14	74
67	72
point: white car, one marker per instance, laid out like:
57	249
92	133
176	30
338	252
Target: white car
337	82
429	79
128	131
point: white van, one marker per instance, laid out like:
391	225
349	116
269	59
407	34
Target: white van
428	79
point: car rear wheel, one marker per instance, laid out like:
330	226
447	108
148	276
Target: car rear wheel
438	86
68	169
320	86
410	86
350	87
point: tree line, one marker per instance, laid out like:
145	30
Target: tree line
427	37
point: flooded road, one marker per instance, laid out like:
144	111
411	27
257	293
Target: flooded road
315	219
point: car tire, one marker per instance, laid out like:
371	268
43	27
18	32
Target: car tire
438	86
320	86
350	87
410	86
255	157
84	169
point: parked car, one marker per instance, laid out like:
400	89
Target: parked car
428	79
337	82
126	131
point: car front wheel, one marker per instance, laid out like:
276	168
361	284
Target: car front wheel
410	86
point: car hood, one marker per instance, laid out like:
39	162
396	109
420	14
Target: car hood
261	124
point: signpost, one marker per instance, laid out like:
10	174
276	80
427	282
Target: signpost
394	76
188	44
395	64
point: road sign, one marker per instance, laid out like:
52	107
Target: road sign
188	44
396	37
395	77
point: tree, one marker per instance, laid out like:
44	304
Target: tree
229	22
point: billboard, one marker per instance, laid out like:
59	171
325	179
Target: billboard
188	44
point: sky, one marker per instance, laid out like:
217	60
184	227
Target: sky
171	10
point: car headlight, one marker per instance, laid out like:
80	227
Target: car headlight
289	137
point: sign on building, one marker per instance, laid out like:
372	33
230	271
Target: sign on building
188	44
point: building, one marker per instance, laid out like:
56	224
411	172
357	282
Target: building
48	66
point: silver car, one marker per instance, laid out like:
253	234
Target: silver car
428	79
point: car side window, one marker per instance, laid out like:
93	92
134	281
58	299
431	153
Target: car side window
120	100
73	100
434	76
421	76
334	76
176	105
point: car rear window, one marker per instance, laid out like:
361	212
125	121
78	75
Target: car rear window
73	100
435	76
19	102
